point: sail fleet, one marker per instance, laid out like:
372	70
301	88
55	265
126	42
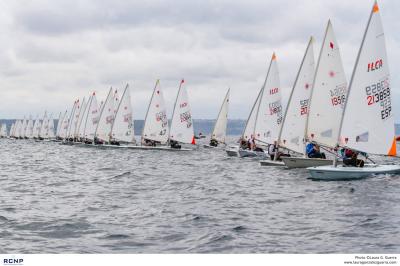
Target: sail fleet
323	108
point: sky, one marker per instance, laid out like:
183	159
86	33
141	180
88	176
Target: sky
54	52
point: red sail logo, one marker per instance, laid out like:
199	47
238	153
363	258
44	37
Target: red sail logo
375	65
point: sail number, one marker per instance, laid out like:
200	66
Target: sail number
380	93
377	92
186	117
303	107
338	95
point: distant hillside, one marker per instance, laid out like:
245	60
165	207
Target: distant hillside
205	126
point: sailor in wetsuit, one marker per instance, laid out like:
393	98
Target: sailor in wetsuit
350	158
174	144
213	143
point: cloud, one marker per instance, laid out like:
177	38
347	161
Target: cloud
53	52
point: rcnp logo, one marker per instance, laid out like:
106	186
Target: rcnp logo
13	261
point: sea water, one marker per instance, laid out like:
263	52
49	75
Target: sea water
68	199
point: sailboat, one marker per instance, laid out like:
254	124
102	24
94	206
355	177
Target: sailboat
181	130
292	132
91	120
268	118
122	129
79	120
11	134
81	127
248	131
62	133
17	130
367	123
36	128
106	118
60	118
218	134
73	121
3	131
155	129
326	103
23	129
50	131
44	130
29	128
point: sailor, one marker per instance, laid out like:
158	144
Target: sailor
350	158
313	151
174	144
213	143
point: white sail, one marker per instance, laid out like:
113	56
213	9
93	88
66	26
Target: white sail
294	121
44	130
23	128
249	128
64	126
328	93
29	129
80	118
12	130
182	123
75	118
368	120
3	132
81	129
122	128
156	122
17	133
92	119
116	102
106	119
50	131
58	125
269	115
36	128
219	131
70	119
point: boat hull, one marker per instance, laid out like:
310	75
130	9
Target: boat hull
251	154
301	162
158	148
271	163
232	151
330	172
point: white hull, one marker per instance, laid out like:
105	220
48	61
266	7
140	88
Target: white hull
348	173
251	154
232	151
301	162
158	148
271	163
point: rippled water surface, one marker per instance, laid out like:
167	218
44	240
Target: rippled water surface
64	199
